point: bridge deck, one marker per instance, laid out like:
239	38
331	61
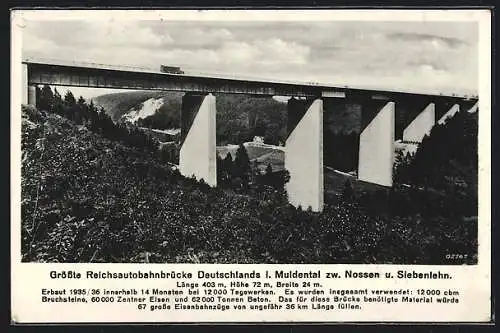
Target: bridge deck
122	77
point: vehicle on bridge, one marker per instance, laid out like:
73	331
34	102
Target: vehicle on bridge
171	69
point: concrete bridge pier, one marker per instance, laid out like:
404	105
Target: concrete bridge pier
421	125
31	95
449	114
473	108
198	151
28	90
376	142
304	153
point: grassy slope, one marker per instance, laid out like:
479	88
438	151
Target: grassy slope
86	198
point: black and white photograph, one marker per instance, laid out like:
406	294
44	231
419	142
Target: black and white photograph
249	141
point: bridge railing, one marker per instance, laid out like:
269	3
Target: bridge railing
231	76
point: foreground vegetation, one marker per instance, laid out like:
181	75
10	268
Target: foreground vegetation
91	198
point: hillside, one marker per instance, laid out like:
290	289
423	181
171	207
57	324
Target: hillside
239	117
251	112
342	118
88	199
118	104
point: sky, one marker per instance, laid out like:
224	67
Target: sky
433	57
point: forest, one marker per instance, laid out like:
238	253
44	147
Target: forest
95	191
240	118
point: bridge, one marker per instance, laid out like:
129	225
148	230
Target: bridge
385	117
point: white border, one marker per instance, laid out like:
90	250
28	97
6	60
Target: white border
474	281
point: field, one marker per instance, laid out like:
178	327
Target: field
88	199
257	153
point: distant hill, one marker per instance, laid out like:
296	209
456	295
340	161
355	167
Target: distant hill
239	117
118	104
341	119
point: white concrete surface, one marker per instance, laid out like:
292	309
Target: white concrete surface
451	112
198	154
421	125
473	108
24	85
28	91
304	160
376	148
334	94
32	95
405	148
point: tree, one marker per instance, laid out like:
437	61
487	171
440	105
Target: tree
227	168
70	105
242	163
81	111
93	117
38	93
45	98
276	180
269	170
69	99
57	95
267	178
220	169
57	103
255	171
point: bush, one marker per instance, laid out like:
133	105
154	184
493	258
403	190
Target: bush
87	198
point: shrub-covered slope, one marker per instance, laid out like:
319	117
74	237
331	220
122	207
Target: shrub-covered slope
89	199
